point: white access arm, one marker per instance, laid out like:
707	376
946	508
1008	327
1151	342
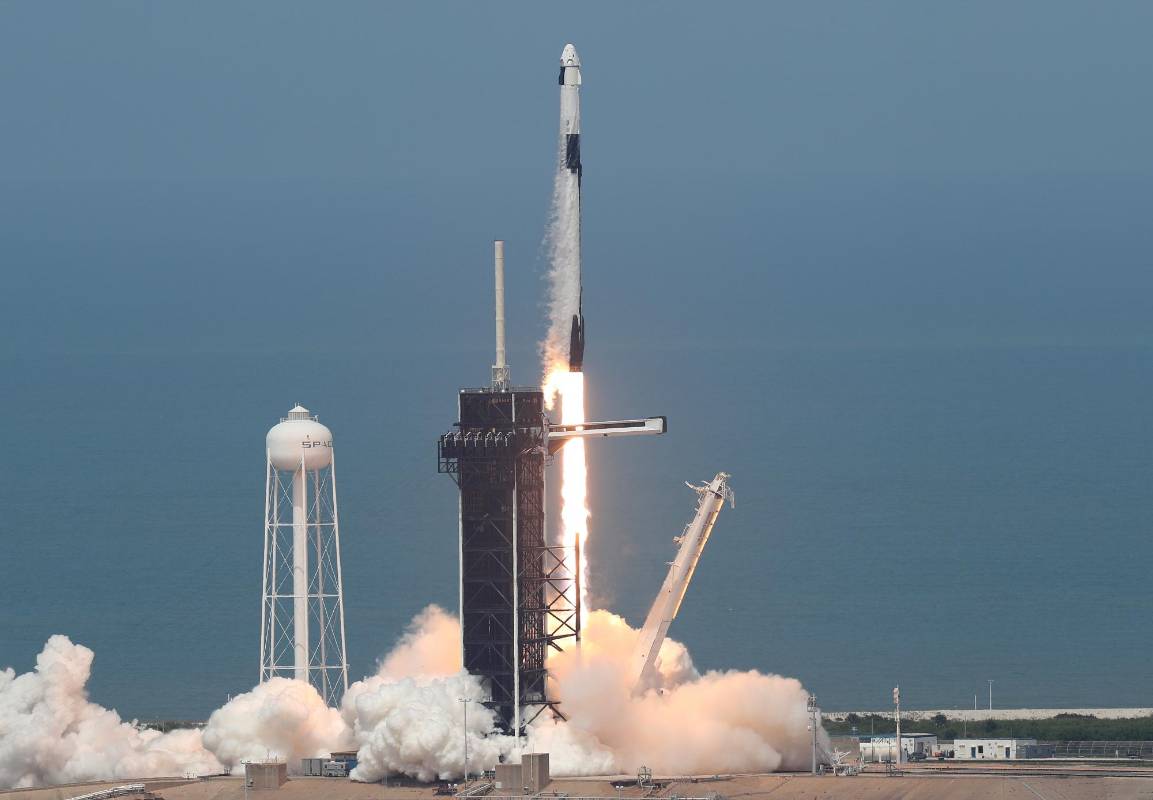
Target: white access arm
650	426
668	601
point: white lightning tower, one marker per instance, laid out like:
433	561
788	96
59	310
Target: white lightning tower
302	613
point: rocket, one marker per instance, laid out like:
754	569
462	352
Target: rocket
570	128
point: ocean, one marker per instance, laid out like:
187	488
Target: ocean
932	516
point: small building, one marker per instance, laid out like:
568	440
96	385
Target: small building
999	749
508	780
529	777
534	772
883	748
265	774
312	767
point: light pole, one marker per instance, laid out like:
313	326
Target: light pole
465	701
812	707
897	703
990	694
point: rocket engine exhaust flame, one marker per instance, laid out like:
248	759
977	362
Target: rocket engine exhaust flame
570	388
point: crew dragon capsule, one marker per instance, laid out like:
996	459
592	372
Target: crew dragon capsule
570	128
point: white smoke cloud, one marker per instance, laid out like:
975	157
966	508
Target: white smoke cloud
281	719
51	733
409	718
429	648
415	726
716	722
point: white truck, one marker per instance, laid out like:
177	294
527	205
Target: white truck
335	769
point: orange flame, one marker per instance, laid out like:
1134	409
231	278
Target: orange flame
570	388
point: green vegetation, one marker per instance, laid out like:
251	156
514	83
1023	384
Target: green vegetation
1061	728
166	725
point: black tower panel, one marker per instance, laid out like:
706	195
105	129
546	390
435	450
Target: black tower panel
514	587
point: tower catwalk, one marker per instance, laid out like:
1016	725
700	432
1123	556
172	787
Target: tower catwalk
302	611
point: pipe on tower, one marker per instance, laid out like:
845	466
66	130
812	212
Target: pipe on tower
300	574
500	371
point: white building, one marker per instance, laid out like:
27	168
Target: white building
882	748
999	749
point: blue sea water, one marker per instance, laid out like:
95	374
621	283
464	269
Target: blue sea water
934	516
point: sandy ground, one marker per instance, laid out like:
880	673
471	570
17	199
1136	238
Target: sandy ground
869	786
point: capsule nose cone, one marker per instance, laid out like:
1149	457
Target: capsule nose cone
569	57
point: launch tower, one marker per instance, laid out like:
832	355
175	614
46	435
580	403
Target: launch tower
302	612
516	591
519	595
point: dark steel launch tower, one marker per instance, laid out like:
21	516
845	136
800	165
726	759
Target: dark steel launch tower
516	592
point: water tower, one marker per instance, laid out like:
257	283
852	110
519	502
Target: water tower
302	614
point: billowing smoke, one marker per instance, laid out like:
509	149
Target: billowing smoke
717	722
282	719
415	726
731	721
429	648
409	717
51	733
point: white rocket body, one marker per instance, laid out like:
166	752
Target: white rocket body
571	169
570	91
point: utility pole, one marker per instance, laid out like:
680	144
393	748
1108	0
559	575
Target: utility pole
897	703
465	701
813	728
990	694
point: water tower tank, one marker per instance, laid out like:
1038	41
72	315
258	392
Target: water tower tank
298	436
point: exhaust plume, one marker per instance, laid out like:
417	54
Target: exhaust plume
408	718
51	733
562	248
281	718
732	721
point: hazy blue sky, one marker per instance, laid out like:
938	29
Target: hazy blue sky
209	176
887	263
